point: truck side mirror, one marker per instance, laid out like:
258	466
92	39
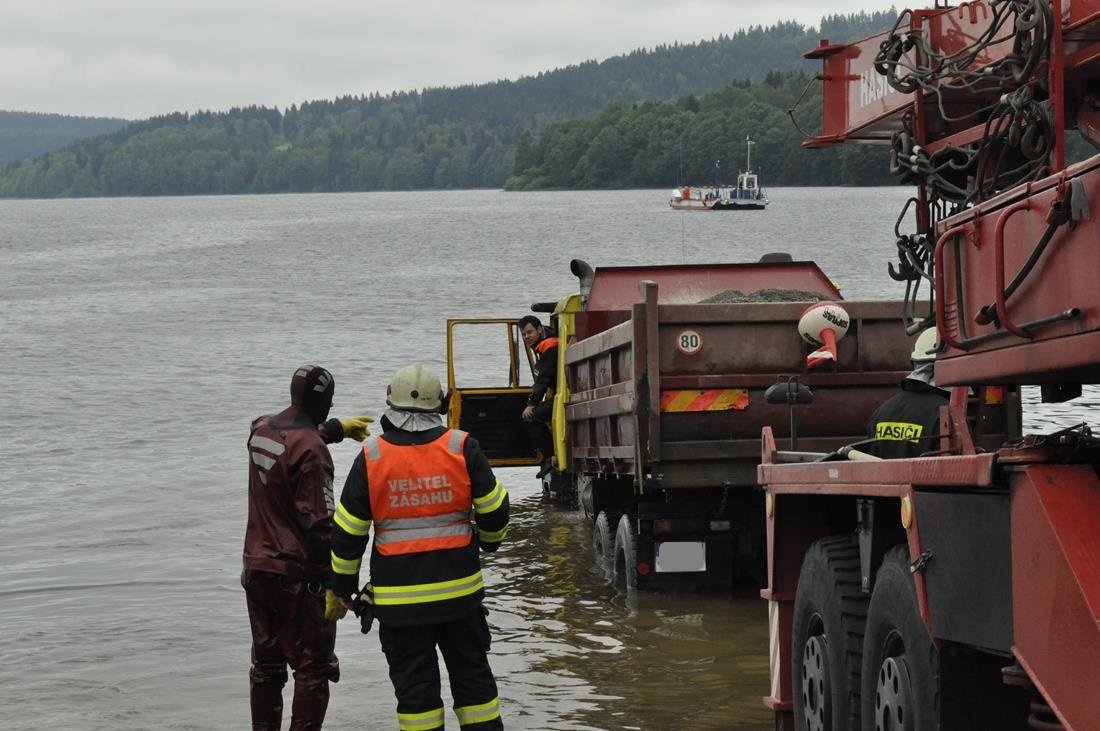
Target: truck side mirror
789	392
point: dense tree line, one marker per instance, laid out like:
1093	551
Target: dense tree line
438	138
29	134
659	144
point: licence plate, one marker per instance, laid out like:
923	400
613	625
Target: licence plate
681	556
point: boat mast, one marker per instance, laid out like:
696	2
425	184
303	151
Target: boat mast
748	154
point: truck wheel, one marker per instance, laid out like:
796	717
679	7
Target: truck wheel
827	636
626	554
901	669
602	543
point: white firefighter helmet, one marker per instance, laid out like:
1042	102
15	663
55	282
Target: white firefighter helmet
925	346
415	388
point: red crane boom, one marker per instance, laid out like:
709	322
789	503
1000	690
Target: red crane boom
961	589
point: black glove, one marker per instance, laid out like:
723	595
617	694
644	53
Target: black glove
363	607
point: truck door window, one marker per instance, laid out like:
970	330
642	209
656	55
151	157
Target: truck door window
489	355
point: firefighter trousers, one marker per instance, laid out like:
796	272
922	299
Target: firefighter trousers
414	670
289	628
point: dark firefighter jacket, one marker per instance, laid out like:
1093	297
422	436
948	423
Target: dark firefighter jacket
546	369
424	565
906	424
290	503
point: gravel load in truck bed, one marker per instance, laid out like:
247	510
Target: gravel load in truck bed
731	296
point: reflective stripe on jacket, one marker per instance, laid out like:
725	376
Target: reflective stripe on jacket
419	494
425	587
421	501
906	425
435	591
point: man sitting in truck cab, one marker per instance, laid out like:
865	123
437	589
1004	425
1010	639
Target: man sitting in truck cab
907	424
539	410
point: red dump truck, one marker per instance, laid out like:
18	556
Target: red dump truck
961	589
661	398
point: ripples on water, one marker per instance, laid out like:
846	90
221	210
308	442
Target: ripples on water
629	661
138	339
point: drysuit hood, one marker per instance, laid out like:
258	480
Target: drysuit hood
311	390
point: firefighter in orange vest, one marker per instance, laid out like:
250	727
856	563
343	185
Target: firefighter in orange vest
540	410
415	486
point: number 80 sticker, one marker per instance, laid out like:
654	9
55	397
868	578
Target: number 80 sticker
689	342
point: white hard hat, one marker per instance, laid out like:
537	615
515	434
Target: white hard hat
925	346
415	388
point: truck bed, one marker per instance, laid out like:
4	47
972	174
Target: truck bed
674	396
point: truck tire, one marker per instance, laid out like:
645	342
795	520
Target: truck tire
626	554
603	543
827	636
901	668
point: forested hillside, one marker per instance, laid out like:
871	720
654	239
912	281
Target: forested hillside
439	138
29	134
662	144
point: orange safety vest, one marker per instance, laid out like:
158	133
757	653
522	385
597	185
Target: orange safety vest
545	344
419	494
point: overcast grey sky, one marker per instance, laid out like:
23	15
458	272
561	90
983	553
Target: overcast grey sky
137	58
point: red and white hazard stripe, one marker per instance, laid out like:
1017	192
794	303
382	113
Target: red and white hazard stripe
773	645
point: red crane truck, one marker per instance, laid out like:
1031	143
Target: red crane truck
961	589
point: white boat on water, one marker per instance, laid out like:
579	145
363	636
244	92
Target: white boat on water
747	195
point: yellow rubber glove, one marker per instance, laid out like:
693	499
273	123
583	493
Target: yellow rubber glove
355	427
334	608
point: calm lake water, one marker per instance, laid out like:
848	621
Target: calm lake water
139	337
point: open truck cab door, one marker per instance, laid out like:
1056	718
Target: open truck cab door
489	379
